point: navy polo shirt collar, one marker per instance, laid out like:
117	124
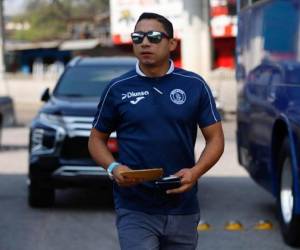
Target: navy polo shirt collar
139	71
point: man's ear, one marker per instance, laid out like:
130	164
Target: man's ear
172	44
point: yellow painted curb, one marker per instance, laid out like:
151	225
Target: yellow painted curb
263	225
234	226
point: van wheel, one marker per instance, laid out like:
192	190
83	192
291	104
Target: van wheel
40	196
289	221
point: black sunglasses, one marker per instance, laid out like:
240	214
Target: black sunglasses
153	36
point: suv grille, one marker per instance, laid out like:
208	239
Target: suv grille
78	126
75	144
75	148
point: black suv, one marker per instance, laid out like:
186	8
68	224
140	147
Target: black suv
58	151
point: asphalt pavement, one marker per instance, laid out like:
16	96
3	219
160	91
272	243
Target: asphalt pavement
84	219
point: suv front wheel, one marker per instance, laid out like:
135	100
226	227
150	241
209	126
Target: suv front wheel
39	196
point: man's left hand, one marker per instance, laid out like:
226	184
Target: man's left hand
188	179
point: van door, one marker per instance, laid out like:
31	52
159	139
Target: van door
258	134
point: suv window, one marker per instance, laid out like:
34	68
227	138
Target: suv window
89	80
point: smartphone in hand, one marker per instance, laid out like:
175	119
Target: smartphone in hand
169	182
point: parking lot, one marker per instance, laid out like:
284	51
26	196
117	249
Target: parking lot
84	219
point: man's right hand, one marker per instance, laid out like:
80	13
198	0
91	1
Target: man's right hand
122	181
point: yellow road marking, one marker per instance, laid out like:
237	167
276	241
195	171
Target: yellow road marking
263	225
203	226
234	225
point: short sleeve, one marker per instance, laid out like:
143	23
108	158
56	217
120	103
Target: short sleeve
207	110
105	119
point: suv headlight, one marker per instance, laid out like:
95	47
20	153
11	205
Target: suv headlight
44	139
49	119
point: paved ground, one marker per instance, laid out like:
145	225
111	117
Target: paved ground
84	219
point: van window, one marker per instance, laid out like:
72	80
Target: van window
280	25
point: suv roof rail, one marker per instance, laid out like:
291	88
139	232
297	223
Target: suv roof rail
74	61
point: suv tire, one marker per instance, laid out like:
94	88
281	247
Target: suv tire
289	221
40	196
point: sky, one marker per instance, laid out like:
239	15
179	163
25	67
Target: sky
12	7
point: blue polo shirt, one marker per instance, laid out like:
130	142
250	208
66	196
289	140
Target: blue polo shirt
156	122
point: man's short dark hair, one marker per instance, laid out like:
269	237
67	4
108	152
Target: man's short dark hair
168	26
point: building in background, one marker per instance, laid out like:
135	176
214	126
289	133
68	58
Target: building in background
223	31
83	36
124	14
116	26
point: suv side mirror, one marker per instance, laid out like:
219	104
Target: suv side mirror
46	95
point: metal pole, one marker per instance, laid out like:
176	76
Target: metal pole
2	36
196	38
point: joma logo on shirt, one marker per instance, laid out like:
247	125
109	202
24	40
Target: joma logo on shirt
137	95
137	100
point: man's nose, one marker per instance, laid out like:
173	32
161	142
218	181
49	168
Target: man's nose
145	41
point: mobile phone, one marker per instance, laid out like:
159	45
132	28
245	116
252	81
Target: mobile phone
169	182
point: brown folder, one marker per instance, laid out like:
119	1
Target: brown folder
145	174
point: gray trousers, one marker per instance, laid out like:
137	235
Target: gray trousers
141	231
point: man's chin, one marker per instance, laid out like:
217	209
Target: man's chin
147	62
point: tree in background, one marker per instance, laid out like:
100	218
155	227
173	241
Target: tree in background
50	19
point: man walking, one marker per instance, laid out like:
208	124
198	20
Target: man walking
155	110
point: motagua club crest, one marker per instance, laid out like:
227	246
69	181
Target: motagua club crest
178	96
